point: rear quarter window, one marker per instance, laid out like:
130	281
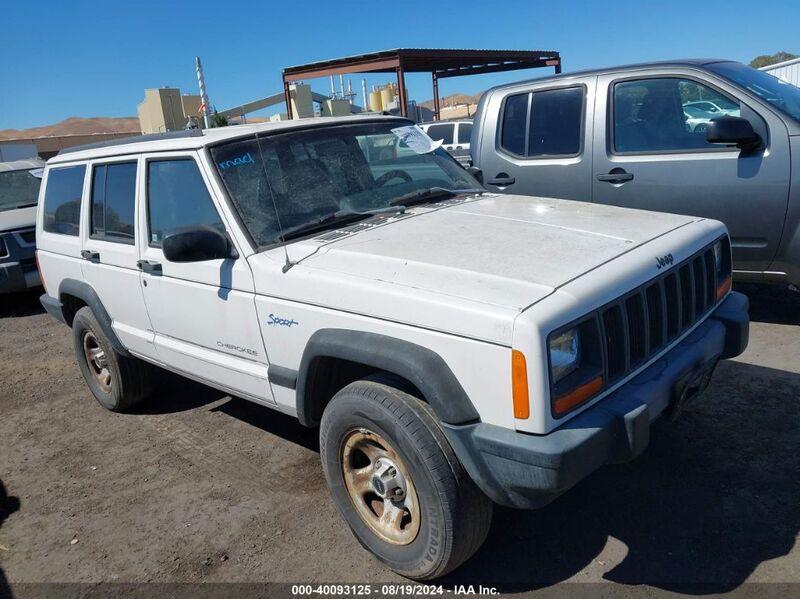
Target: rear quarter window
441	132
62	200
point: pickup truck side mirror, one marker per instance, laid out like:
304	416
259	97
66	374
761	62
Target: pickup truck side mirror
196	244
733	130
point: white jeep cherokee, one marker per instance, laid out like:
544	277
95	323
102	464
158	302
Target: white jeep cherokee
455	347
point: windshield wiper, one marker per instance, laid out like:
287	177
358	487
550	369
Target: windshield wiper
422	196
334	218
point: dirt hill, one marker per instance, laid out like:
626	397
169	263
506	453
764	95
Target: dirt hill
77	126
454	100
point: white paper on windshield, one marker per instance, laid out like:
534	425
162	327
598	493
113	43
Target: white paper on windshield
37	172
416	139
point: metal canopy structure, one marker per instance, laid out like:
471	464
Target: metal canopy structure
440	63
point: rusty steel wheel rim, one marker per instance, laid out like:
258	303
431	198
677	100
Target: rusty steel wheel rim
380	487
97	361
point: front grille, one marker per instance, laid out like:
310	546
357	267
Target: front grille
640	324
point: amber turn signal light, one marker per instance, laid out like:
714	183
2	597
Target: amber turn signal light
577	396
519	385
724	287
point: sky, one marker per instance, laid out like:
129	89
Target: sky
89	59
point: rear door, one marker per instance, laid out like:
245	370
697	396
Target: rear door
541	144
651	153
109	249
203	313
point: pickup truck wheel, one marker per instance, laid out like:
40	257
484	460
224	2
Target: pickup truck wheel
397	482
118	383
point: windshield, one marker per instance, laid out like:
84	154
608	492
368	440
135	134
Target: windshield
782	95
19	189
285	181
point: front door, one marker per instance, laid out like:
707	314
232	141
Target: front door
542	145
650	152
203	313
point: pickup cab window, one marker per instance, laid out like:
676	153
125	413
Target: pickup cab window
443	132
666	114
543	123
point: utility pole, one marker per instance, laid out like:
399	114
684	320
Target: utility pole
201	82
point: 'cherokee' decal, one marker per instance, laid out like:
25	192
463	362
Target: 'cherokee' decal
237	348
283	322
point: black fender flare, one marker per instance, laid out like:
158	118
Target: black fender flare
422	367
88	295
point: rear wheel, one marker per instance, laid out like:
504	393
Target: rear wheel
397	482
118	383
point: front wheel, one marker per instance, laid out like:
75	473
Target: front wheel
117	382
397	482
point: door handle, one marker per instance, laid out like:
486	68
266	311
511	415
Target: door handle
149	266
90	255
501	180
616	177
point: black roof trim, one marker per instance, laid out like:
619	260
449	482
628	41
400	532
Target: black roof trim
123	141
687	62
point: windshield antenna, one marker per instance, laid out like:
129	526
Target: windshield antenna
288	264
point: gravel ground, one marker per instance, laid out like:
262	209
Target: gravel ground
201	487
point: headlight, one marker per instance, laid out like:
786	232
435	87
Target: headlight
564	354
722	264
718	255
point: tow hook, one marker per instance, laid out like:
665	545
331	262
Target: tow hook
689	387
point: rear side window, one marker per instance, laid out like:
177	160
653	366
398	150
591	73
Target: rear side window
515	118
544	123
113	202
443	132
177	197
464	133
62	200
555	124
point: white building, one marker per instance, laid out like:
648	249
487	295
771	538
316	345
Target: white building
788	70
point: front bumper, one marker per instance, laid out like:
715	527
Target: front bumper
18	276
528	471
18	270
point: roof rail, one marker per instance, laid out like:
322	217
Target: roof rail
121	141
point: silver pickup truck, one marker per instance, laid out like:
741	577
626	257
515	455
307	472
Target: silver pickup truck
709	138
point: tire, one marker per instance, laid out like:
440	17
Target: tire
129	380
453	515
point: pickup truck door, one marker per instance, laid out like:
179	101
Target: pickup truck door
650	153
203	313
536	140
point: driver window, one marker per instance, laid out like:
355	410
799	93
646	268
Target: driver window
666	114
177	197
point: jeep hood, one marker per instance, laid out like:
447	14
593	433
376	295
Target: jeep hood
504	250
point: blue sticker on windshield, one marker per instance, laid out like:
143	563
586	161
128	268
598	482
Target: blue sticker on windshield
238	161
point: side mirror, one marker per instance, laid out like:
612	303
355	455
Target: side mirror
196	244
733	130
476	172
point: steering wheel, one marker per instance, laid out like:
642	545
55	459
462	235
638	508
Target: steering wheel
392	174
